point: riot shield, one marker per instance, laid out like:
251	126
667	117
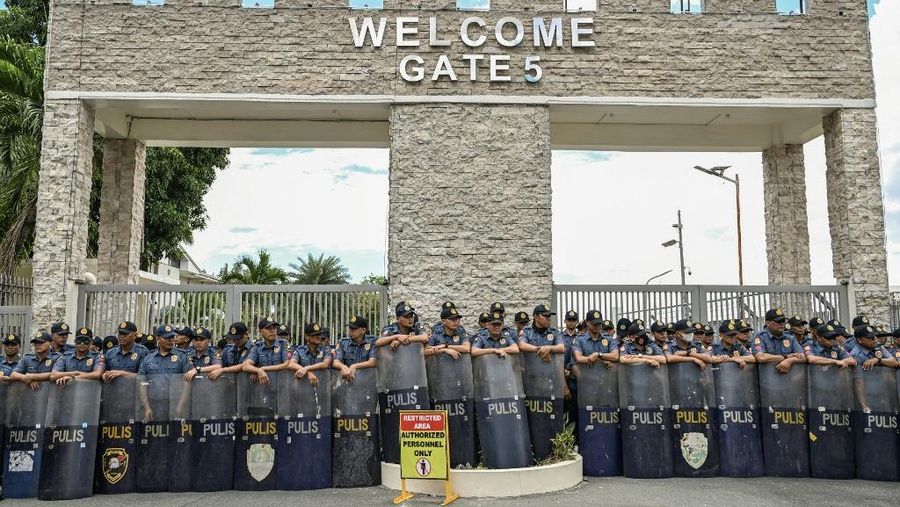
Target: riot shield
70	441
2	425
828	417
544	383
214	426
165	402
115	466
784	431
451	389
254	458
600	439
303	449
402	385
500	412
646	421
26	411
875	424
737	403
694	430
356	457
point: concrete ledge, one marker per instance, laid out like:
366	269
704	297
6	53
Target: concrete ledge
493	483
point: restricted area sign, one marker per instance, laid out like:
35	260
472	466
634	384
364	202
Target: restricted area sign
424	444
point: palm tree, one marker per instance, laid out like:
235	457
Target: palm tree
248	271
320	271
21	118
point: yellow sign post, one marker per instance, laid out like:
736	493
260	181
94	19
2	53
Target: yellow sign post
425	451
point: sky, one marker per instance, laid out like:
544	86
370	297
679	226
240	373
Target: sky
295	201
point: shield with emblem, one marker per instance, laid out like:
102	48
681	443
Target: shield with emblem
260	460
114	464
694	449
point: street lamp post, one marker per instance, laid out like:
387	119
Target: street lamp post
719	172
680	243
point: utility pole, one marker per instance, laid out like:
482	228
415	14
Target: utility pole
680	226
719	172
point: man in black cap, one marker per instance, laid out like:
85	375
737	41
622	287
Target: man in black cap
894	346
449	337
154	375
775	345
859	320
236	352
882	333
814	323
729	349
124	358
202	356
743	335
270	354
660	333
569	333
640	348
437	328
867	352
284	332
826	350
540	337
313	356
183	338
59	332
686	349
36	366
522	320
12	344
355	352
797	326
597	344
495	339
622	330
404	331
82	363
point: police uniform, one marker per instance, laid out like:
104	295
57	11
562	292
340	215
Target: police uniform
392	329
119	360
90	362
737	350
7	366
209	357
863	354
541	337
303	356
692	347
779	346
818	350
586	345
30	363
157	363
233	354
269	355
484	340
630	348
61	328
440	337
351	353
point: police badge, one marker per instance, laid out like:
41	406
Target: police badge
695	449
834	354
90	361
114	464
174	358
786	343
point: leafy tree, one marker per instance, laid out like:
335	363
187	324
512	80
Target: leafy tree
319	271
373	279
25	21
249	271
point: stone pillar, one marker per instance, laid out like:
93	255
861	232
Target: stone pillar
470	207
787	229
64	192
121	212
856	210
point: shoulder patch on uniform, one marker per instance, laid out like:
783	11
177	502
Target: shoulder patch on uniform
758	340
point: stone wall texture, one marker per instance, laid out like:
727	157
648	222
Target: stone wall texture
121	212
64	194
736	49
855	209
459	229
787	230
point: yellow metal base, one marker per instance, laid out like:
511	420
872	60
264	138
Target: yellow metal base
404	495
449	495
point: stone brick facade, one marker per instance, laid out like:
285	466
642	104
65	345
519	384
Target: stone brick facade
470	207
855	209
787	230
121	212
64	194
217	47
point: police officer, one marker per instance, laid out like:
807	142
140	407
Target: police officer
859	320
522	320
124	358
775	345
814	323
868	353
797	327
743	336
686	349
163	361
82	363
622	330
846	338
483	319
36	366
404	331
97	345
236	352
284	332
569	333
355	352
60	335
268	354
596	345
660	333
894	348
438	328
495	340
202	356
313	356
448	337
183	338
729	348
882	334
11	346
542	338
826	350
706	336
639	348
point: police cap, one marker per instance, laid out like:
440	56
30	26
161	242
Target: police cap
357	322
126	327
495	317
84	333
283	330
110	342
450	313
97	342
658	327
12	339
571	315
266	322
149	342
165	331
827	331
403	309
685	326
728	327
859	320
744	326
796	320
637	329
484	318
815	322
776	315
522	318
622	325
594	317
236	330
864	332
41	336
607	324
882	331
497	306
200	333
448	304
60	328
312	329
543	310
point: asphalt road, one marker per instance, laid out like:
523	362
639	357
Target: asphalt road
607	491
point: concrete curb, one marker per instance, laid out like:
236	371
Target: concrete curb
493	483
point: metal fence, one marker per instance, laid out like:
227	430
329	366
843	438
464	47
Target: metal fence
16	319
102	307
15	291
703	303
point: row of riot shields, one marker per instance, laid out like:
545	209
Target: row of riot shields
726	420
